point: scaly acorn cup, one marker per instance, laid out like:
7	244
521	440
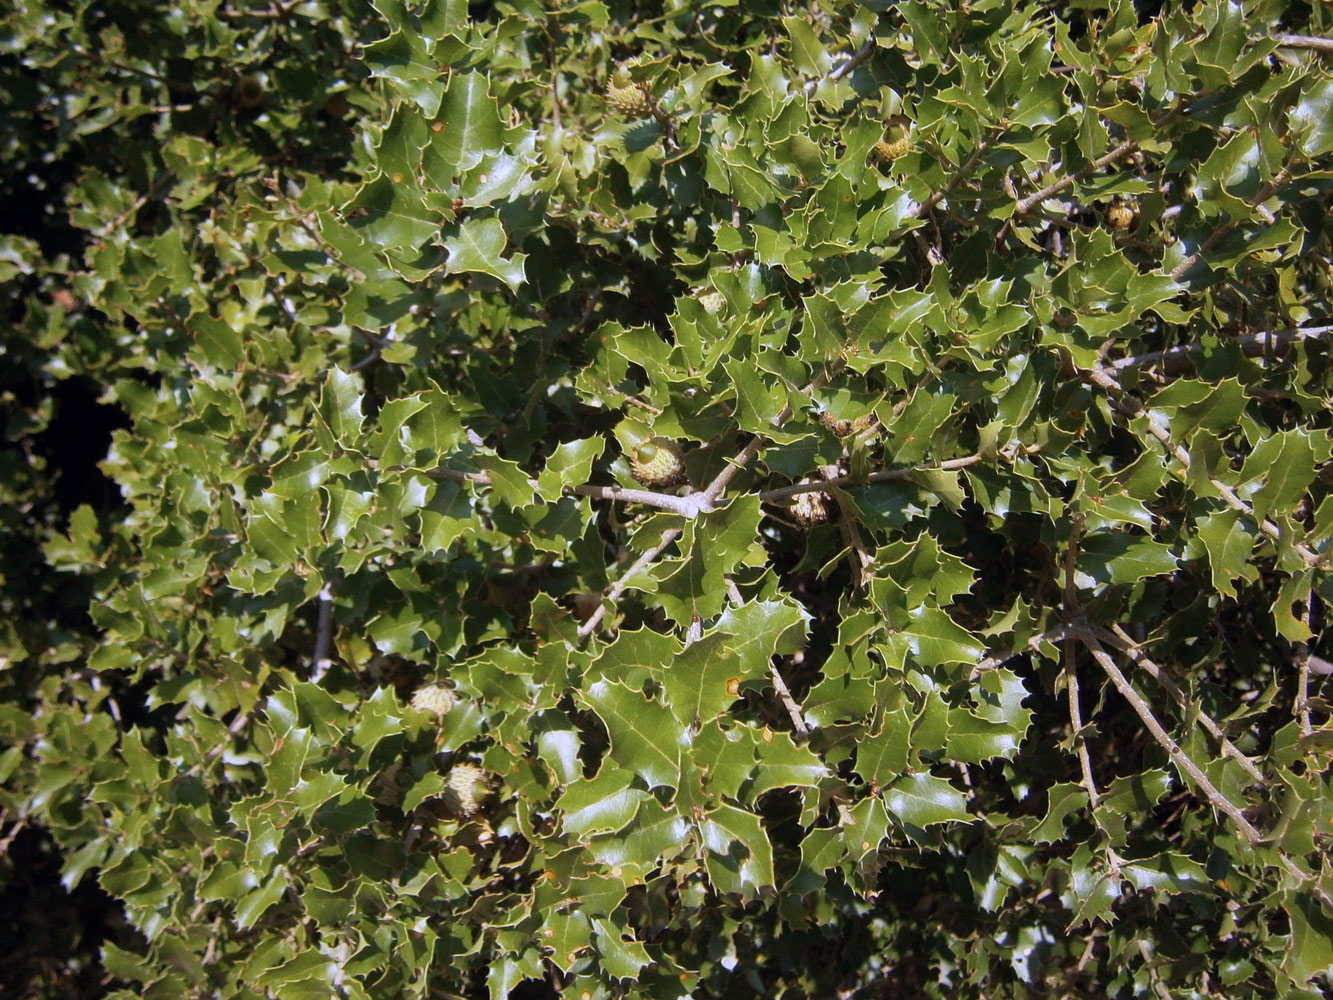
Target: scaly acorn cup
846	428
812	508
658	463
466	784
436	699
628	96
1121	215
897	142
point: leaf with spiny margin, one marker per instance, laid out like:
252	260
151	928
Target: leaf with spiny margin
478	245
1279	469
917	801
620	956
569	465
1062	800
471	123
340	406
726	758
645	738
973	740
1229	539
633	652
602	804
740	856
881	756
704	679
1119	557
783	764
717	545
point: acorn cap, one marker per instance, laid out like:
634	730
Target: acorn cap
436	699
462	791
658	463
812	508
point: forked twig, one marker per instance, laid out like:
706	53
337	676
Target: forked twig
1102	377
1181	759
1121	640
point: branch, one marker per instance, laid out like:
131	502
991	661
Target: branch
1221	232
1102	377
1302	42
968	165
618	588
1121	640
949	465
860	56
1069	180
793	709
1253	345
1182	759
996	660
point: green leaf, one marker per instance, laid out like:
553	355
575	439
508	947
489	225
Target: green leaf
478	245
645	737
921	800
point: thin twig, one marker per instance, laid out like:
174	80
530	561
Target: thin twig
1069	180
996	660
237	724
1102	377
686	506
855	60
1221	232
1253	345
793	709
618	588
1182	759
1302	42
1121	639
949	465
1072	612
968	165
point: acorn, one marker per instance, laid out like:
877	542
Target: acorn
436	699
897	142
812	508
658	463
248	91
846	428
1121	215
465	783
629	96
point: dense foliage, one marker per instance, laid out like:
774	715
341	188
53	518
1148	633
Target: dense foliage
979	655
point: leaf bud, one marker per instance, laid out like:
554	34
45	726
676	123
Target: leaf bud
658	463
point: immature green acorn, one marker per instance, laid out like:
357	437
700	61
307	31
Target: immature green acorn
629	96
436	699
658	463
897	142
466	785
